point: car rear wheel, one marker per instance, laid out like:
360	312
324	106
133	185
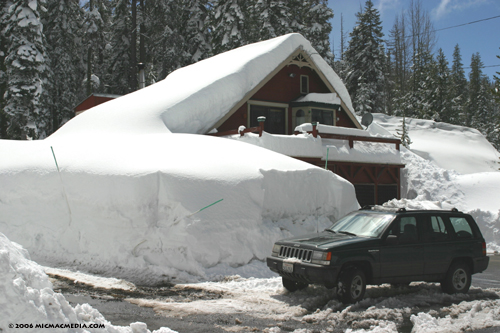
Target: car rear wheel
458	279
291	285
351	285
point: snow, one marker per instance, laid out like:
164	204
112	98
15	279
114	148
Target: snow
330	98
135	202
451	147
28	298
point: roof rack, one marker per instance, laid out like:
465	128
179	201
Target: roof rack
401	210
367	207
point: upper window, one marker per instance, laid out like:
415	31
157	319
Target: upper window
304	84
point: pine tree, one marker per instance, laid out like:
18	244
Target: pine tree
197	32
365	57
120	72
458	91
274	18
443	102
316	27
96	19
477	109
27	74
402	134
3	70
230	25
63	22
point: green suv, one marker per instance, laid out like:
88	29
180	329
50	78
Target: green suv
380	246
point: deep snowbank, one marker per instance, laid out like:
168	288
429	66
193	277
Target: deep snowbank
129	206
451	147
28	299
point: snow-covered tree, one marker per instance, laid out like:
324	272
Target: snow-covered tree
197	31
365	57
26	98
63	22
230	26
274	18
402	134
443	102
120	72
3	71
458	90
96	21
316	26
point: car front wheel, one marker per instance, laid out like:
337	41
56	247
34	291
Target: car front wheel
351	285
458	279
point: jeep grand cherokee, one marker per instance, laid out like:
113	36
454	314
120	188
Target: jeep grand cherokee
378	246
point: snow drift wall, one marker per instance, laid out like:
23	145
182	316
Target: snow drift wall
140	209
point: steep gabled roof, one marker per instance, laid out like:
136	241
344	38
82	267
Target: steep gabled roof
195	98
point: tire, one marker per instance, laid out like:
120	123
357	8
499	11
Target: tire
292	286
458	279
351	285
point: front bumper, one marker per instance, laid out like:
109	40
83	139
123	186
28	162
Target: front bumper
306	272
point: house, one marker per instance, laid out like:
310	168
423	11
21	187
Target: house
282	89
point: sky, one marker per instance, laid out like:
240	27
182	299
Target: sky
482	37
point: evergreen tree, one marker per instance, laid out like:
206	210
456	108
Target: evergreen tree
496	89
3	70
476	110
121	72
443	102
197	32
316	26
274	18
26	70
365	57
230	25
402	134
63	22
96	19
458	91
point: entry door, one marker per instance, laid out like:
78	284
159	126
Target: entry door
404	257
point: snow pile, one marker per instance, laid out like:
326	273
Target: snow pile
451	147
28	300
160	206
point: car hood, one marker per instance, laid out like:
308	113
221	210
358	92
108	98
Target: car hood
326	240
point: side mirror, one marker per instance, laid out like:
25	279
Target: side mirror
391	240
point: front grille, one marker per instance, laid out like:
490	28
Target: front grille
293	252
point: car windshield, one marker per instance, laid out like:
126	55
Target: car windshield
362	224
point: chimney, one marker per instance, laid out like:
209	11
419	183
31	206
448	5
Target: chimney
142	77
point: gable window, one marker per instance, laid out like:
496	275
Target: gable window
275	116
304	84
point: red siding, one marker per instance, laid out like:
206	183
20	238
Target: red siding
284	87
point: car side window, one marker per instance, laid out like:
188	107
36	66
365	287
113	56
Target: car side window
436	229
461	227
405	229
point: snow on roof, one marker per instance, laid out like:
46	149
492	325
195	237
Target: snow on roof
330	98
194	98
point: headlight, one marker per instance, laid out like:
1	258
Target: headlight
321	258
276	250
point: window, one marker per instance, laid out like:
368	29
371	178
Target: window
461	227
324	117
406	229
275	118
435	229
300	117
304	84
